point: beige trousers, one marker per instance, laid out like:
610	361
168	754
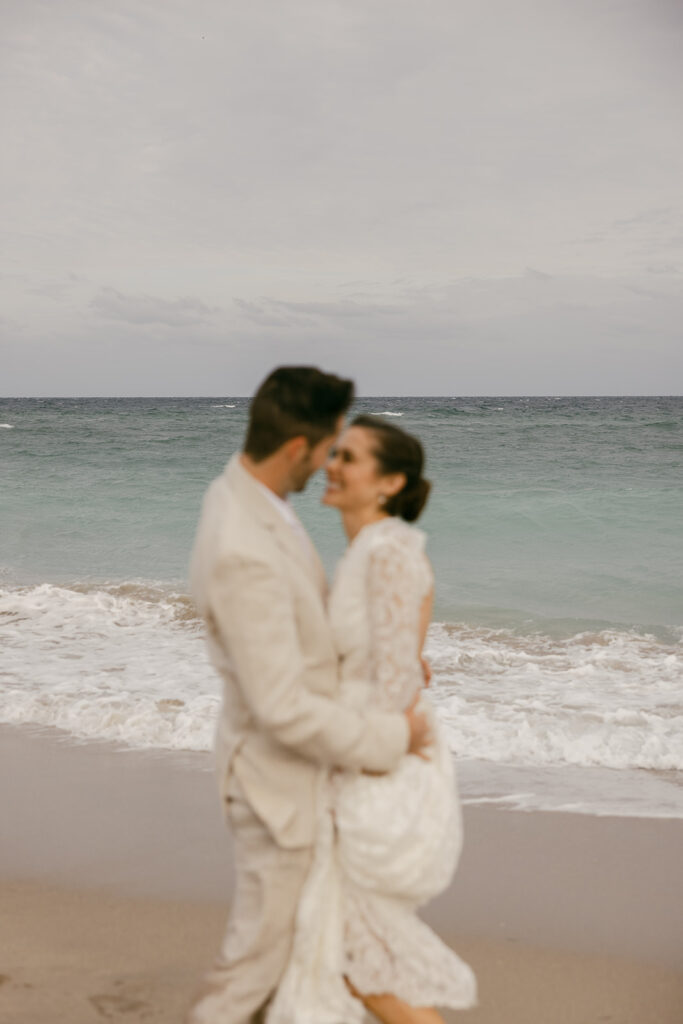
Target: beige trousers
260	929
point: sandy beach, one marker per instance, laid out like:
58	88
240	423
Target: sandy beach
115	880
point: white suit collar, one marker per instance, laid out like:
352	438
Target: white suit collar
278	516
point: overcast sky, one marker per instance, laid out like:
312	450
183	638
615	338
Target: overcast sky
434	197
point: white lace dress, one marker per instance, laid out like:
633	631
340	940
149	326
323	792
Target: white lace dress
387	843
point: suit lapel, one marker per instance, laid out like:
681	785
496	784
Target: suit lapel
261	507
303	551
319	572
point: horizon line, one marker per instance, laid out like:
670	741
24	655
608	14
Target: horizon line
151	397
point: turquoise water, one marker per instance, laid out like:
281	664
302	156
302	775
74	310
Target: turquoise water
554	513
556	533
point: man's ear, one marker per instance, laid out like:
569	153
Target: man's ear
296	447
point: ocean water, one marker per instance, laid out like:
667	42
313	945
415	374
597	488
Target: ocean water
555	528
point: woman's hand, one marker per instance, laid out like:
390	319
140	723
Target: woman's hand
426	670
420	731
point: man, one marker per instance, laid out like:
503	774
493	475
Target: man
260	587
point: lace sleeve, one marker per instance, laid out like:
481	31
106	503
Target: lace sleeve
394	600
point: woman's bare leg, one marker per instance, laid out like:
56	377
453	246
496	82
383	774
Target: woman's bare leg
392	1010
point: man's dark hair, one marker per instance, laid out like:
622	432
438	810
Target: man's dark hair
295	401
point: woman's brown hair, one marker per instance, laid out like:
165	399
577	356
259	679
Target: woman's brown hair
396	451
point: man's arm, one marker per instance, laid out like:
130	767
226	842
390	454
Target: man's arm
252	611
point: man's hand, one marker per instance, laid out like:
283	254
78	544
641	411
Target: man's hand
420	733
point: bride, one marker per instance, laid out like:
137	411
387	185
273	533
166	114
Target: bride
388	843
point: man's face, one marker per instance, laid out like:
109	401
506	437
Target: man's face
313	459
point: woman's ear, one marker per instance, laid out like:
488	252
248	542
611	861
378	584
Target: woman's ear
393	483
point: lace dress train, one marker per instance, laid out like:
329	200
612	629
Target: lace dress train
385	844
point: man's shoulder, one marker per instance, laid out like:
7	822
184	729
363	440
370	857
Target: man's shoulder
219	494
227	535
226	511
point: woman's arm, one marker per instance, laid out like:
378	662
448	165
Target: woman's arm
425	616
397	620
425	619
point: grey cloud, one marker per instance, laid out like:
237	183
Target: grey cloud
336	310
357	131
658	216
260	314
366	179
146	309
56	288
664	268
9	325
283	312
472	307
343	310
538	275
472	336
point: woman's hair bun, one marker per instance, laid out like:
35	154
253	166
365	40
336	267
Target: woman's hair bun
410	501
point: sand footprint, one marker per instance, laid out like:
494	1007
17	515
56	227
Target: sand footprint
111	1005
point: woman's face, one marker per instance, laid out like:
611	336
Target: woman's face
353	478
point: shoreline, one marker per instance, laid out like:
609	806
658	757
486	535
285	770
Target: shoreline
148	824
115	879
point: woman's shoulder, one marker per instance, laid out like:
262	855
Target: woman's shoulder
395	549
393	532
392	540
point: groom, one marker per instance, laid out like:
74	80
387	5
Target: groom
260	587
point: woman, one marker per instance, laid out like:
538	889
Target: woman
385	844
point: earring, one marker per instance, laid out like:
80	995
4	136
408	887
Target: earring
382	499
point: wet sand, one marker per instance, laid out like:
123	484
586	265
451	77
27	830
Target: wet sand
115	880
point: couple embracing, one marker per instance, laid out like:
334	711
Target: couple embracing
336	778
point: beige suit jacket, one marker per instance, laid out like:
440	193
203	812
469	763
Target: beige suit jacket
262	596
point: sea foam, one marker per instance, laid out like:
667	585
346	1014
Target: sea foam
127	662
611	698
